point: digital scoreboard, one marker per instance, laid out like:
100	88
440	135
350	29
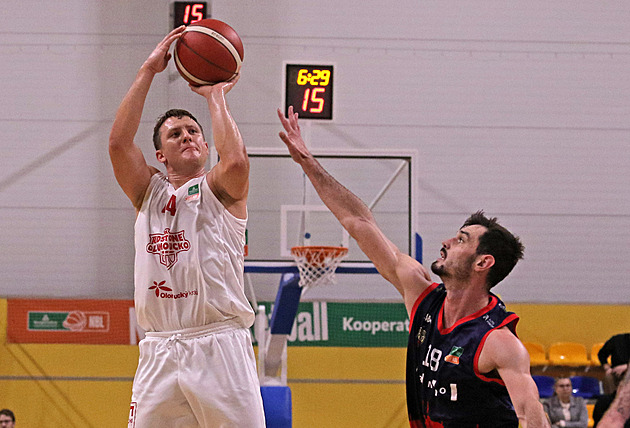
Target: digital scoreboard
188	12
309	89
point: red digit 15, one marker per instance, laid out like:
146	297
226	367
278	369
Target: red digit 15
196	13
313	98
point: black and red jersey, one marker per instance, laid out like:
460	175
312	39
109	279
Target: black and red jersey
444	386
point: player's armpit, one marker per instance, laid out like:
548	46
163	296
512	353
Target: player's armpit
413	279
233	196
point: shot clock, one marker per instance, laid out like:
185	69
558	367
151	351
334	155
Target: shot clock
309	89
187	12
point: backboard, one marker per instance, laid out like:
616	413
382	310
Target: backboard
284	209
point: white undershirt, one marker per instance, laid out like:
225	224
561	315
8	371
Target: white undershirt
566	411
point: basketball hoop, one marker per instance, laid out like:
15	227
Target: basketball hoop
317	264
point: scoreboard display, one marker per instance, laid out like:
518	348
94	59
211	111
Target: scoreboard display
188	12
309	89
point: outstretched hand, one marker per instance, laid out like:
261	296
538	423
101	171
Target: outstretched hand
157	61
293	137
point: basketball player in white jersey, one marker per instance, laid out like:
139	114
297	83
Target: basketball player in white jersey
197	366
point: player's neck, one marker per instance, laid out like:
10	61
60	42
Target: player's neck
178	179
462	302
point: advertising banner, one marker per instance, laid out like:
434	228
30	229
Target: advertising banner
72	321
114	322
348	324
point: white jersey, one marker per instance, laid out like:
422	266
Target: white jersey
189	259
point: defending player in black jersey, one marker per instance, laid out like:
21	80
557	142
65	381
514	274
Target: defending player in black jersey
465	365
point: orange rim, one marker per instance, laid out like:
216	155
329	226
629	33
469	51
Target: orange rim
301	249
316	255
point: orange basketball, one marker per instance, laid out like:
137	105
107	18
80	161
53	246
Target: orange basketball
208	52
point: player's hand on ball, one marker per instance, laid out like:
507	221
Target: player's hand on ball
218	88
160	56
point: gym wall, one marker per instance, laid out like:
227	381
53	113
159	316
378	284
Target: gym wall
516	110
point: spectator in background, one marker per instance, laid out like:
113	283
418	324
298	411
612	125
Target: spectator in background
617	348
7	419
564	409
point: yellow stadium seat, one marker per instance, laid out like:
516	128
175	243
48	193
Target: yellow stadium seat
537	356
589	408
568	354
594	351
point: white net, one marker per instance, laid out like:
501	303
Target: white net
317	264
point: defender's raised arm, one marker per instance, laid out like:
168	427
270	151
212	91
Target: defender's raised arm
408	276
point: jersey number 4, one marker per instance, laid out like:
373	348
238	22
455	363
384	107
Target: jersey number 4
170	206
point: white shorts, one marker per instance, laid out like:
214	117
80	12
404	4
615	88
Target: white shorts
201	377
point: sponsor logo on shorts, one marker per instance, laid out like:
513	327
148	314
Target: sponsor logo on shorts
167	245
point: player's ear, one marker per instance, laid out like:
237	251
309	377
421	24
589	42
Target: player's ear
160	156
484	262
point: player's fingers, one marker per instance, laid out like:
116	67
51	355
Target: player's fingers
280	115
284	137
294	121
284	121
172	36
230	83
177	32
292	117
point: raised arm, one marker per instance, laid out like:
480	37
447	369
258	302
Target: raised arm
408	276
229	178
505	353
130	168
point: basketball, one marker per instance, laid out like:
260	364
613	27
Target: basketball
208	52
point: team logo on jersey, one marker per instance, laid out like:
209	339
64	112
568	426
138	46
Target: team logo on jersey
453	356
167	245
193	193
422	335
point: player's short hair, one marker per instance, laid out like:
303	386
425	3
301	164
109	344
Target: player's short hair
9	413
500	243
175	112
